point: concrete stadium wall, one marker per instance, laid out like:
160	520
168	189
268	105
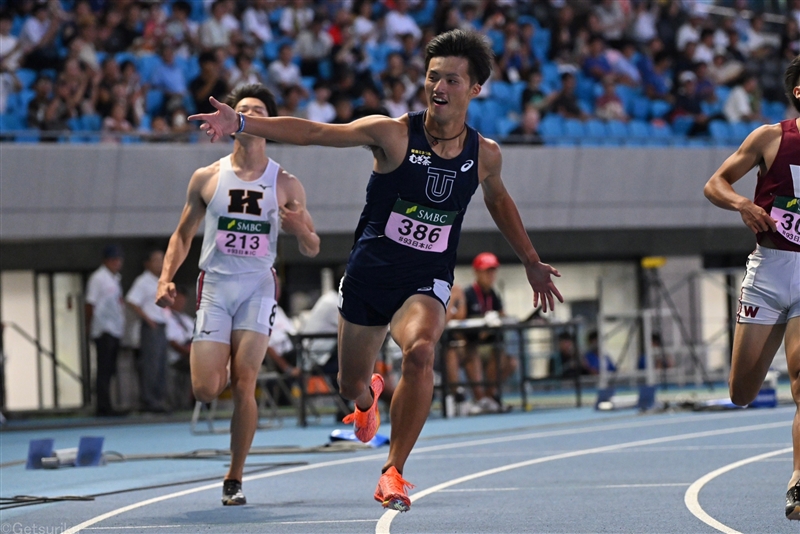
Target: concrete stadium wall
82	191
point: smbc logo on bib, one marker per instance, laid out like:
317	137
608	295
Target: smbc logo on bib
420	227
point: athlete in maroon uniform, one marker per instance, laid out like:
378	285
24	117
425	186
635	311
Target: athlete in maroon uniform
769	306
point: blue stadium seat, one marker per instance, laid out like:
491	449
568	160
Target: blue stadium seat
491	113
153	101
574	129
626	95
10	123
26	77
660	134
541	43
739	131
596	129
722	92
640	108
528	19
551	128
659	108
146	65
551	77
503	95
92	123
720	132
505	126
638	133
424	16
682	124
516	96
28	136
617	130
475	112
18	102
122	57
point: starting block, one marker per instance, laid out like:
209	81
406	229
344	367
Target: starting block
89	452
348	435
608	400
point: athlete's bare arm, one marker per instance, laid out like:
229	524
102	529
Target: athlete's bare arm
295	218
181	240
378	132
506	216
759	148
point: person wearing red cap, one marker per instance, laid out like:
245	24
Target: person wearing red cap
482	299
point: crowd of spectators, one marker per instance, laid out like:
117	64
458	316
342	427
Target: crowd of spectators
124	66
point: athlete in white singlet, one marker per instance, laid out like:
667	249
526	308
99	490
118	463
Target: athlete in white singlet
242	199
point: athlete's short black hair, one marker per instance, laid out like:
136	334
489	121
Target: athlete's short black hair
254	90
470	45
790	81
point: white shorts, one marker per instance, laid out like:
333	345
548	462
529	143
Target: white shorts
771	287
228	302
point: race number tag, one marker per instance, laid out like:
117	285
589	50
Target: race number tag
420	227
786	210
243	238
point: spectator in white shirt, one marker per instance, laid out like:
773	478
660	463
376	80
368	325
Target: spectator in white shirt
141	299
399	22
704	52
38	37
243	72
182	31
214	33
743	104
689	31
257	30
320	109
180	329
364	28
105	321
759	42
396	104
313	46
283	73
9	60
296	18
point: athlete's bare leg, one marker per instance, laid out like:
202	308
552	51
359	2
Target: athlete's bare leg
416	327
793	364
358	350
209	368
473	367
249	350
754	347
507	367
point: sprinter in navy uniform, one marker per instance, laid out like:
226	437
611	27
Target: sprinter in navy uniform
426	167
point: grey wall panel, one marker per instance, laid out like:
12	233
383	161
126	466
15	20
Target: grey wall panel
62	190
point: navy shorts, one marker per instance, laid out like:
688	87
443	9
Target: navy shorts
366	305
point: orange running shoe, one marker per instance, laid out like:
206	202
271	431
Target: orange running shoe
391	491
367	423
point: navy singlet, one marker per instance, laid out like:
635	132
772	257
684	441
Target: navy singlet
410	226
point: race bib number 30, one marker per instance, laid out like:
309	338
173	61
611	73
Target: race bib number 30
420	227
243	238
786	210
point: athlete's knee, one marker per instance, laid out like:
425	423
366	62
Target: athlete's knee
418	357
740	394
206	391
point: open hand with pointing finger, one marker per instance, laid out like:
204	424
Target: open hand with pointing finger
222	122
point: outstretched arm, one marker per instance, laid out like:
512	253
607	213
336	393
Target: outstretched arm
719	188
374	131
181	240
506	216
295	218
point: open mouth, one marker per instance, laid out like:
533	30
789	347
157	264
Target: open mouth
439	101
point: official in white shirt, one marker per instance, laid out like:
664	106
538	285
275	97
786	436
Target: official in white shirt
105	321
141	299
180	328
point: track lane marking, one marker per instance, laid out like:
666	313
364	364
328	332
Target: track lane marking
692	496
462	444
385	522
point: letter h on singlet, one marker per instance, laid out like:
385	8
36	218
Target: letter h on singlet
245	201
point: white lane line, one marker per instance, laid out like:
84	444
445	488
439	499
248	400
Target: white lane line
474	443
666	485
329	521
143	527
691	498
385	523
473	490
